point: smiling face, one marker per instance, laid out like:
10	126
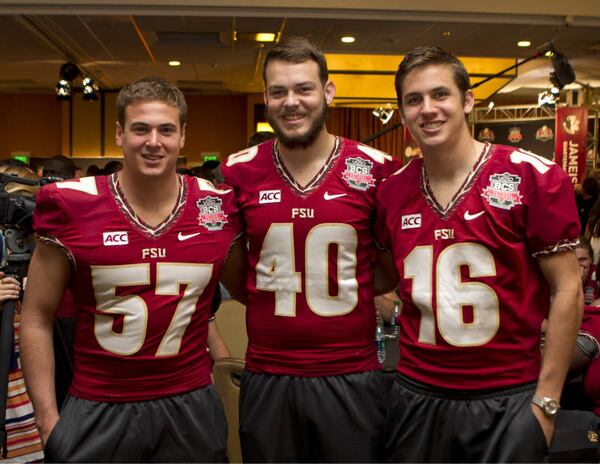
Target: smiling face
151	138
296	101
434	108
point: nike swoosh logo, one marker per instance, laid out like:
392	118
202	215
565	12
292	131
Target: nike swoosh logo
327	196
470	217
181	237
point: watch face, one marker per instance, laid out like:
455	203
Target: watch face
551	407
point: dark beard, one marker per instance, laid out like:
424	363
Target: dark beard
302	141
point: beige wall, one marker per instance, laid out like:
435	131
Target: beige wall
30	123
38	124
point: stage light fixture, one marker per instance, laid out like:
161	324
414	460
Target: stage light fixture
69	72
563	73
90	89
546	99
63	90
383	114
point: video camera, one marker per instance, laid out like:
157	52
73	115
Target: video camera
16	225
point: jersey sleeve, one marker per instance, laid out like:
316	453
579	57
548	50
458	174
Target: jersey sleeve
49	216
51	221
552	223
229	205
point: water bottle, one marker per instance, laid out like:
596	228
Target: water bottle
394	321
379	340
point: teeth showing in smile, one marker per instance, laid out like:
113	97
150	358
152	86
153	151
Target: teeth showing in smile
431	125
292	117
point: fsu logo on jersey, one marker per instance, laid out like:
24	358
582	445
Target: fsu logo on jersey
514	134
544	133
358	173
486	135
503	191
211	213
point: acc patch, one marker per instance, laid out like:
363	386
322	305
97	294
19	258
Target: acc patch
358	173
503	191
211	214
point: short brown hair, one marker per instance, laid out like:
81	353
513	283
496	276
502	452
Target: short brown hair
297	50
425	56
151	89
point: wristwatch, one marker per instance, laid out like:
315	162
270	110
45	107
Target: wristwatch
549	405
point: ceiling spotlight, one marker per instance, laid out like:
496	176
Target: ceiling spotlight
447	34
563	73
90	89
63	90
69	72
348	39
523	43
174	63
265	37
261	37
546	99
383	114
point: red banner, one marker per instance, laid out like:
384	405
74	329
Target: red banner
570	143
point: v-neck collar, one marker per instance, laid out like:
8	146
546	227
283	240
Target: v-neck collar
319	177
137	222
444	213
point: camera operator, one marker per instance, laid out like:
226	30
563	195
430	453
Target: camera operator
22	438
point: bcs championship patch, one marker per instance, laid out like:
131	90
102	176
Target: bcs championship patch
503	191
358	173
211	213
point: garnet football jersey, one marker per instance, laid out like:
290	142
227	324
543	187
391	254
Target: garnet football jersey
310	308
474	296
591	379
142	293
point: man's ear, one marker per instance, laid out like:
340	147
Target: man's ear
182	141
329	92
469	101
119	135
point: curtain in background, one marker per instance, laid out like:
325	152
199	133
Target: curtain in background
359	123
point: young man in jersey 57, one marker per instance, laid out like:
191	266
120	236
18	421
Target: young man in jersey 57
312	391
483	237
141	251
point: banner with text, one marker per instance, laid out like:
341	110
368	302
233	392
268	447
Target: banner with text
571	140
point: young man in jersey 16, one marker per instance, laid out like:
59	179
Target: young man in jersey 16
483	237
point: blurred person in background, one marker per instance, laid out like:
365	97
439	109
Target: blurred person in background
112	167
586	198
23	440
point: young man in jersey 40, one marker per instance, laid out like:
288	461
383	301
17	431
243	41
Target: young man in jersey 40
490	256
311	391
141	251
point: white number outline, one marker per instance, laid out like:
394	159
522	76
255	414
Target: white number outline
419	267
276	269
169	279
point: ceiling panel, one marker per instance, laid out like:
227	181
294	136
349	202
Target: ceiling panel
33	47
